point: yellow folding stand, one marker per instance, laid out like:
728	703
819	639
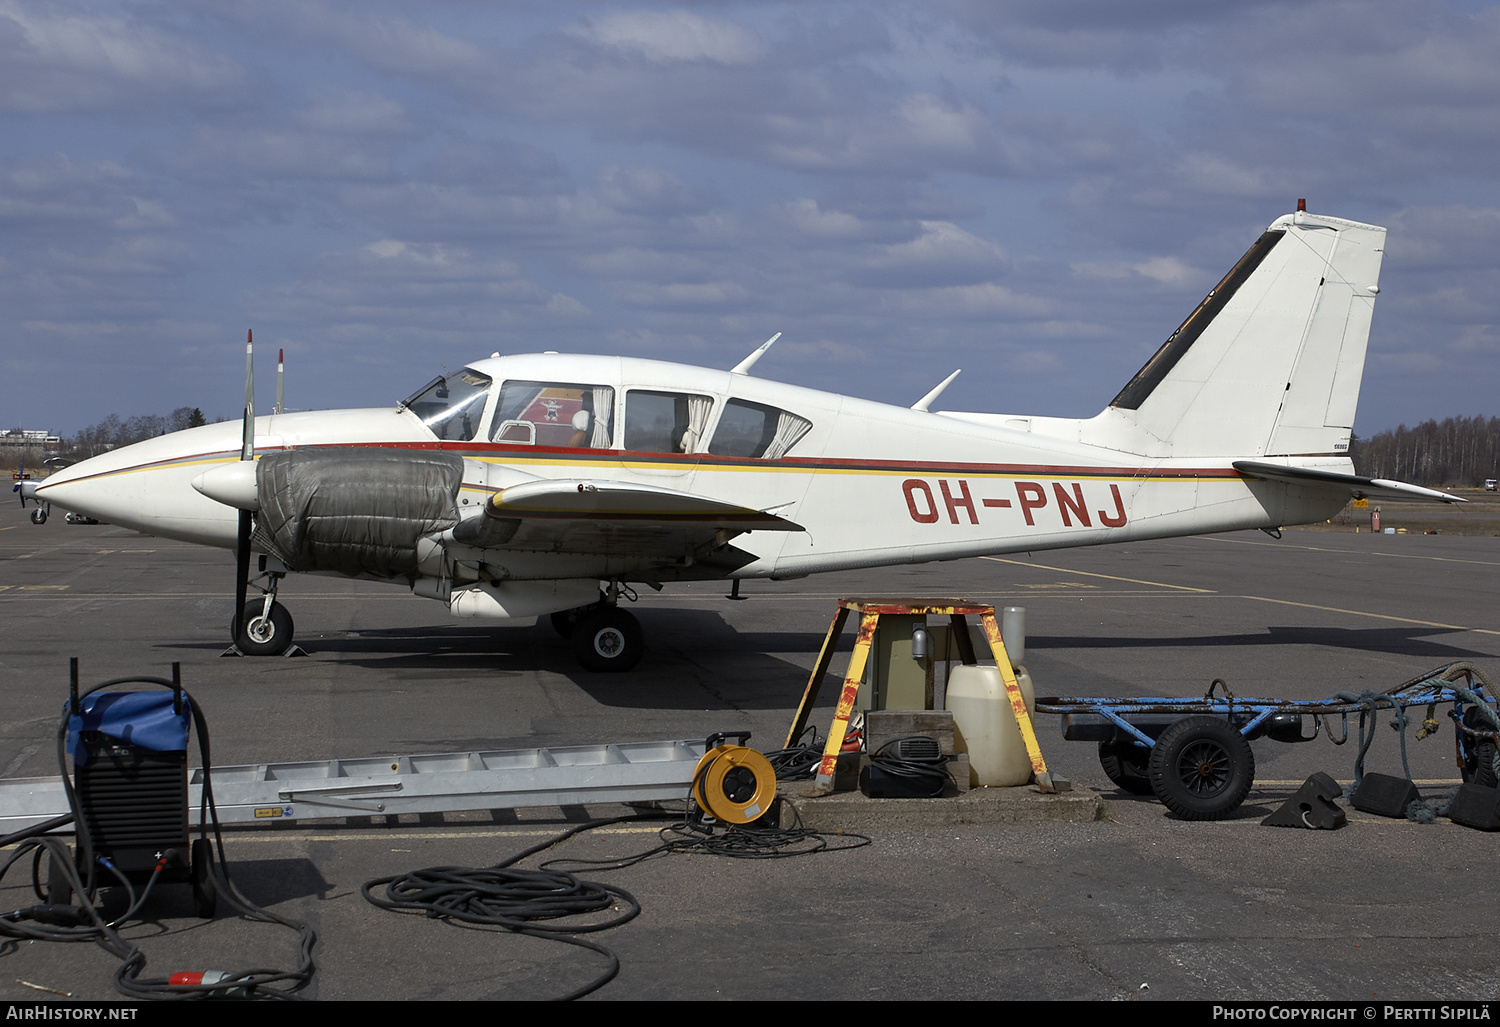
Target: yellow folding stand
870	611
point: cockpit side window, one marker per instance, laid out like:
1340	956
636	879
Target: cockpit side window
563	414
666	422
755	430
451	406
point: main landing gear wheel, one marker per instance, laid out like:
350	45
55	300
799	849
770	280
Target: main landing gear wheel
1127	765
564	622
608	640
1201	768
263	636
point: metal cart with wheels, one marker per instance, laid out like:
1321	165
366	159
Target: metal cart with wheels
1194	754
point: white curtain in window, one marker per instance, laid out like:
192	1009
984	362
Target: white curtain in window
604	401
789	428
699	407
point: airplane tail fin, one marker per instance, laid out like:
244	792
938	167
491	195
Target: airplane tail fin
1269	364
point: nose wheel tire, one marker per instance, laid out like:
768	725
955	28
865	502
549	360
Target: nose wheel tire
265	636
609	640
1201	768
39	516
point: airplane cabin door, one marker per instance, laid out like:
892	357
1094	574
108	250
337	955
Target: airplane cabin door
664	433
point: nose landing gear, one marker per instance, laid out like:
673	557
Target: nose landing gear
264	628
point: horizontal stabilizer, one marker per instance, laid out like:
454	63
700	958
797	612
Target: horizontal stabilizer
1358	485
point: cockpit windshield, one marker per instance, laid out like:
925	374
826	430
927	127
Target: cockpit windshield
451	406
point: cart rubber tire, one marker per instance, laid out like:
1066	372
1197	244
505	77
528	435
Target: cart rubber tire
205	892
1202	768
1479	766
1127	765
1482	768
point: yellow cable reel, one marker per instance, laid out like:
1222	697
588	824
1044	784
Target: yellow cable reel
733	783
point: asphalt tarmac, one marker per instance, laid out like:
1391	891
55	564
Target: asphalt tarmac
1137	905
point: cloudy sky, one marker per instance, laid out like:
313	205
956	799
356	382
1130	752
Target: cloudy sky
1036	191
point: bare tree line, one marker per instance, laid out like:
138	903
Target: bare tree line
1458	451
112	432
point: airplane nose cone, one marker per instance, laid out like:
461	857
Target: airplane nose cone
230	484
72	491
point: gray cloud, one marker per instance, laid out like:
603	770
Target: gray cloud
75	58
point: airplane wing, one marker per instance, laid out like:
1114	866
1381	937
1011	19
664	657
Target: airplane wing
1358	485
605	517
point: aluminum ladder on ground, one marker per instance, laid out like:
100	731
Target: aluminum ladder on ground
390	785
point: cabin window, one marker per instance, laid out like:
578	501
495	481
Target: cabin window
451	406
665	422
555	414
755	430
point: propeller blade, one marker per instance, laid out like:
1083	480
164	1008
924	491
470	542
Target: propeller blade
247	449
241	577
242	541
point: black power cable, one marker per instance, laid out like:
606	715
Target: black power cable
517	899
797	762
915	758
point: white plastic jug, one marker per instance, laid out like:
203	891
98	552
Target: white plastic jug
985	725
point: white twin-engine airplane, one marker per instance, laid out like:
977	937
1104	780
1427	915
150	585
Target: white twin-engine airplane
518	485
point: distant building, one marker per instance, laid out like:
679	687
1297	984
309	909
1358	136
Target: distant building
29	437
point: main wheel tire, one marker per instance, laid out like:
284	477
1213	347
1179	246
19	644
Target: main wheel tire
265	636
608	640
1127	765
564	621
1202	768
201	874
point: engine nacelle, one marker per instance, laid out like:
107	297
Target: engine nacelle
357	511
